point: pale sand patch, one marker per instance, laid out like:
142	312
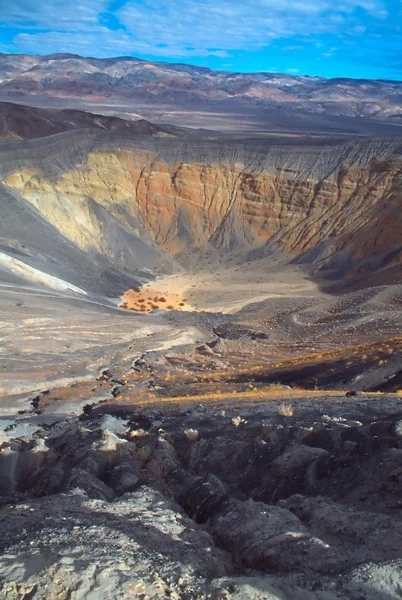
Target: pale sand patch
229	289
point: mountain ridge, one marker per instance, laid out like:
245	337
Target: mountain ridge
67	55
173	86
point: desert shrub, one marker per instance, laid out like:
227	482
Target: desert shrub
237	421
285	409
191	434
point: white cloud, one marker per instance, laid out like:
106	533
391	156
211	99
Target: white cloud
63	15
234	25
190	28
102	43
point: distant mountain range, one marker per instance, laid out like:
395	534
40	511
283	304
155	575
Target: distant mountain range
134	82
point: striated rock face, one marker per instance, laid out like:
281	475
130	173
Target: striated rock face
337	207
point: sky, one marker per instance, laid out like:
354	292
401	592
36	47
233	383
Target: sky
344	38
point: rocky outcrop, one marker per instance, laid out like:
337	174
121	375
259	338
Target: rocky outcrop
180	506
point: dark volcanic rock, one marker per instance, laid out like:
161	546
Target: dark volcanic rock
330	488
125	477
270	538
232	331
91	485
203	498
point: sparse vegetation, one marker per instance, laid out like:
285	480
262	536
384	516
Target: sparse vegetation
137	433
192	434
237	421
285	409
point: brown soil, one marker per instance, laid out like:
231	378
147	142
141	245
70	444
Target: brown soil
147	299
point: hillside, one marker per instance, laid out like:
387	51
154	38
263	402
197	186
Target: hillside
25	122
196	96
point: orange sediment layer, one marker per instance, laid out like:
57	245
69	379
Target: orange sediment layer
256	395
148	299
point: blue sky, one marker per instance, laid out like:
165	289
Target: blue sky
351	38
